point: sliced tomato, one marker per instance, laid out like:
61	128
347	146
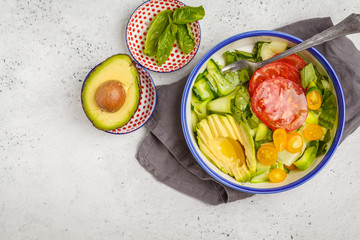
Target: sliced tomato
274	70
295	60
280	103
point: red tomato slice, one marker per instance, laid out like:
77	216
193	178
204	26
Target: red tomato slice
294	60
274	70
280	103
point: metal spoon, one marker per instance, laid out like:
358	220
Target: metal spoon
349	25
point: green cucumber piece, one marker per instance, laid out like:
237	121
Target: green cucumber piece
203	90
224	87
222	104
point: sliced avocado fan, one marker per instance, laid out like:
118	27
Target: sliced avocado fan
228	145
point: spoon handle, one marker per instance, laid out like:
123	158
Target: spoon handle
349	25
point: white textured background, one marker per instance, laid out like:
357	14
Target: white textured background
60	178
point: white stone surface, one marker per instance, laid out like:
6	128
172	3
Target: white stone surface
60	178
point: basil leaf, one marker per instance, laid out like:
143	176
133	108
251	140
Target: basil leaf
166	43
156	28
188	14
185	38
307	75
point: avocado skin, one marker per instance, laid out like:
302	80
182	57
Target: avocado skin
136	92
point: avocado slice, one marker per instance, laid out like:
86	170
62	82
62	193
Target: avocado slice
247	141
111	93
220	140
308	156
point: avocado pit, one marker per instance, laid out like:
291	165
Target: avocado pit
110	96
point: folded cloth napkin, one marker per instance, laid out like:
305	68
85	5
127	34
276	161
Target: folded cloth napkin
165	154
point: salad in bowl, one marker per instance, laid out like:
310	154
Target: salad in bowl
268	130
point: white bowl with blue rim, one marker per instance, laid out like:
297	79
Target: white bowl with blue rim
245	42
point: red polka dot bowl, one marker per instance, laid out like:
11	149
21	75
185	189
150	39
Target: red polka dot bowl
146	105
136	31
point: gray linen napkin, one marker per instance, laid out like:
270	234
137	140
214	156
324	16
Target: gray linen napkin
164	152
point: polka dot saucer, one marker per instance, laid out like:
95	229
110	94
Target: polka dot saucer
136	31
146	105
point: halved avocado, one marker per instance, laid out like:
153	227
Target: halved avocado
111	92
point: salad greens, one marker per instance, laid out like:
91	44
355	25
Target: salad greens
218	96
307	75
169	25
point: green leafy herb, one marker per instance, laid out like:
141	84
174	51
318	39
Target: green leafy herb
185	38
188	14
230	57
328	115
238	77
322	148
257	51
237	55
307	75
166	43
240	107
155	30
242	55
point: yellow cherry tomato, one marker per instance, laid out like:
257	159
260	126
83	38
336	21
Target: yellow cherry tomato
267	155
313	99
277	175
280	139
294	142
313	132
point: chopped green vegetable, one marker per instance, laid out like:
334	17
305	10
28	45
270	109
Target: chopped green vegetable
241	103
222	104
307	75
261	132
257	51
201	109
237	55
188	14
238	77
230	57
223	86
242	55
194	120
185	38
200	76
308	157
166	43
328	115
202	90
322	148
312	118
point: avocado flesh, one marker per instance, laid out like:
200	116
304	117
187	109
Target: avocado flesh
120	68
216	130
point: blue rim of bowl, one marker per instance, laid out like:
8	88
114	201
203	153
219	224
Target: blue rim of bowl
152	83
127	44
340	102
